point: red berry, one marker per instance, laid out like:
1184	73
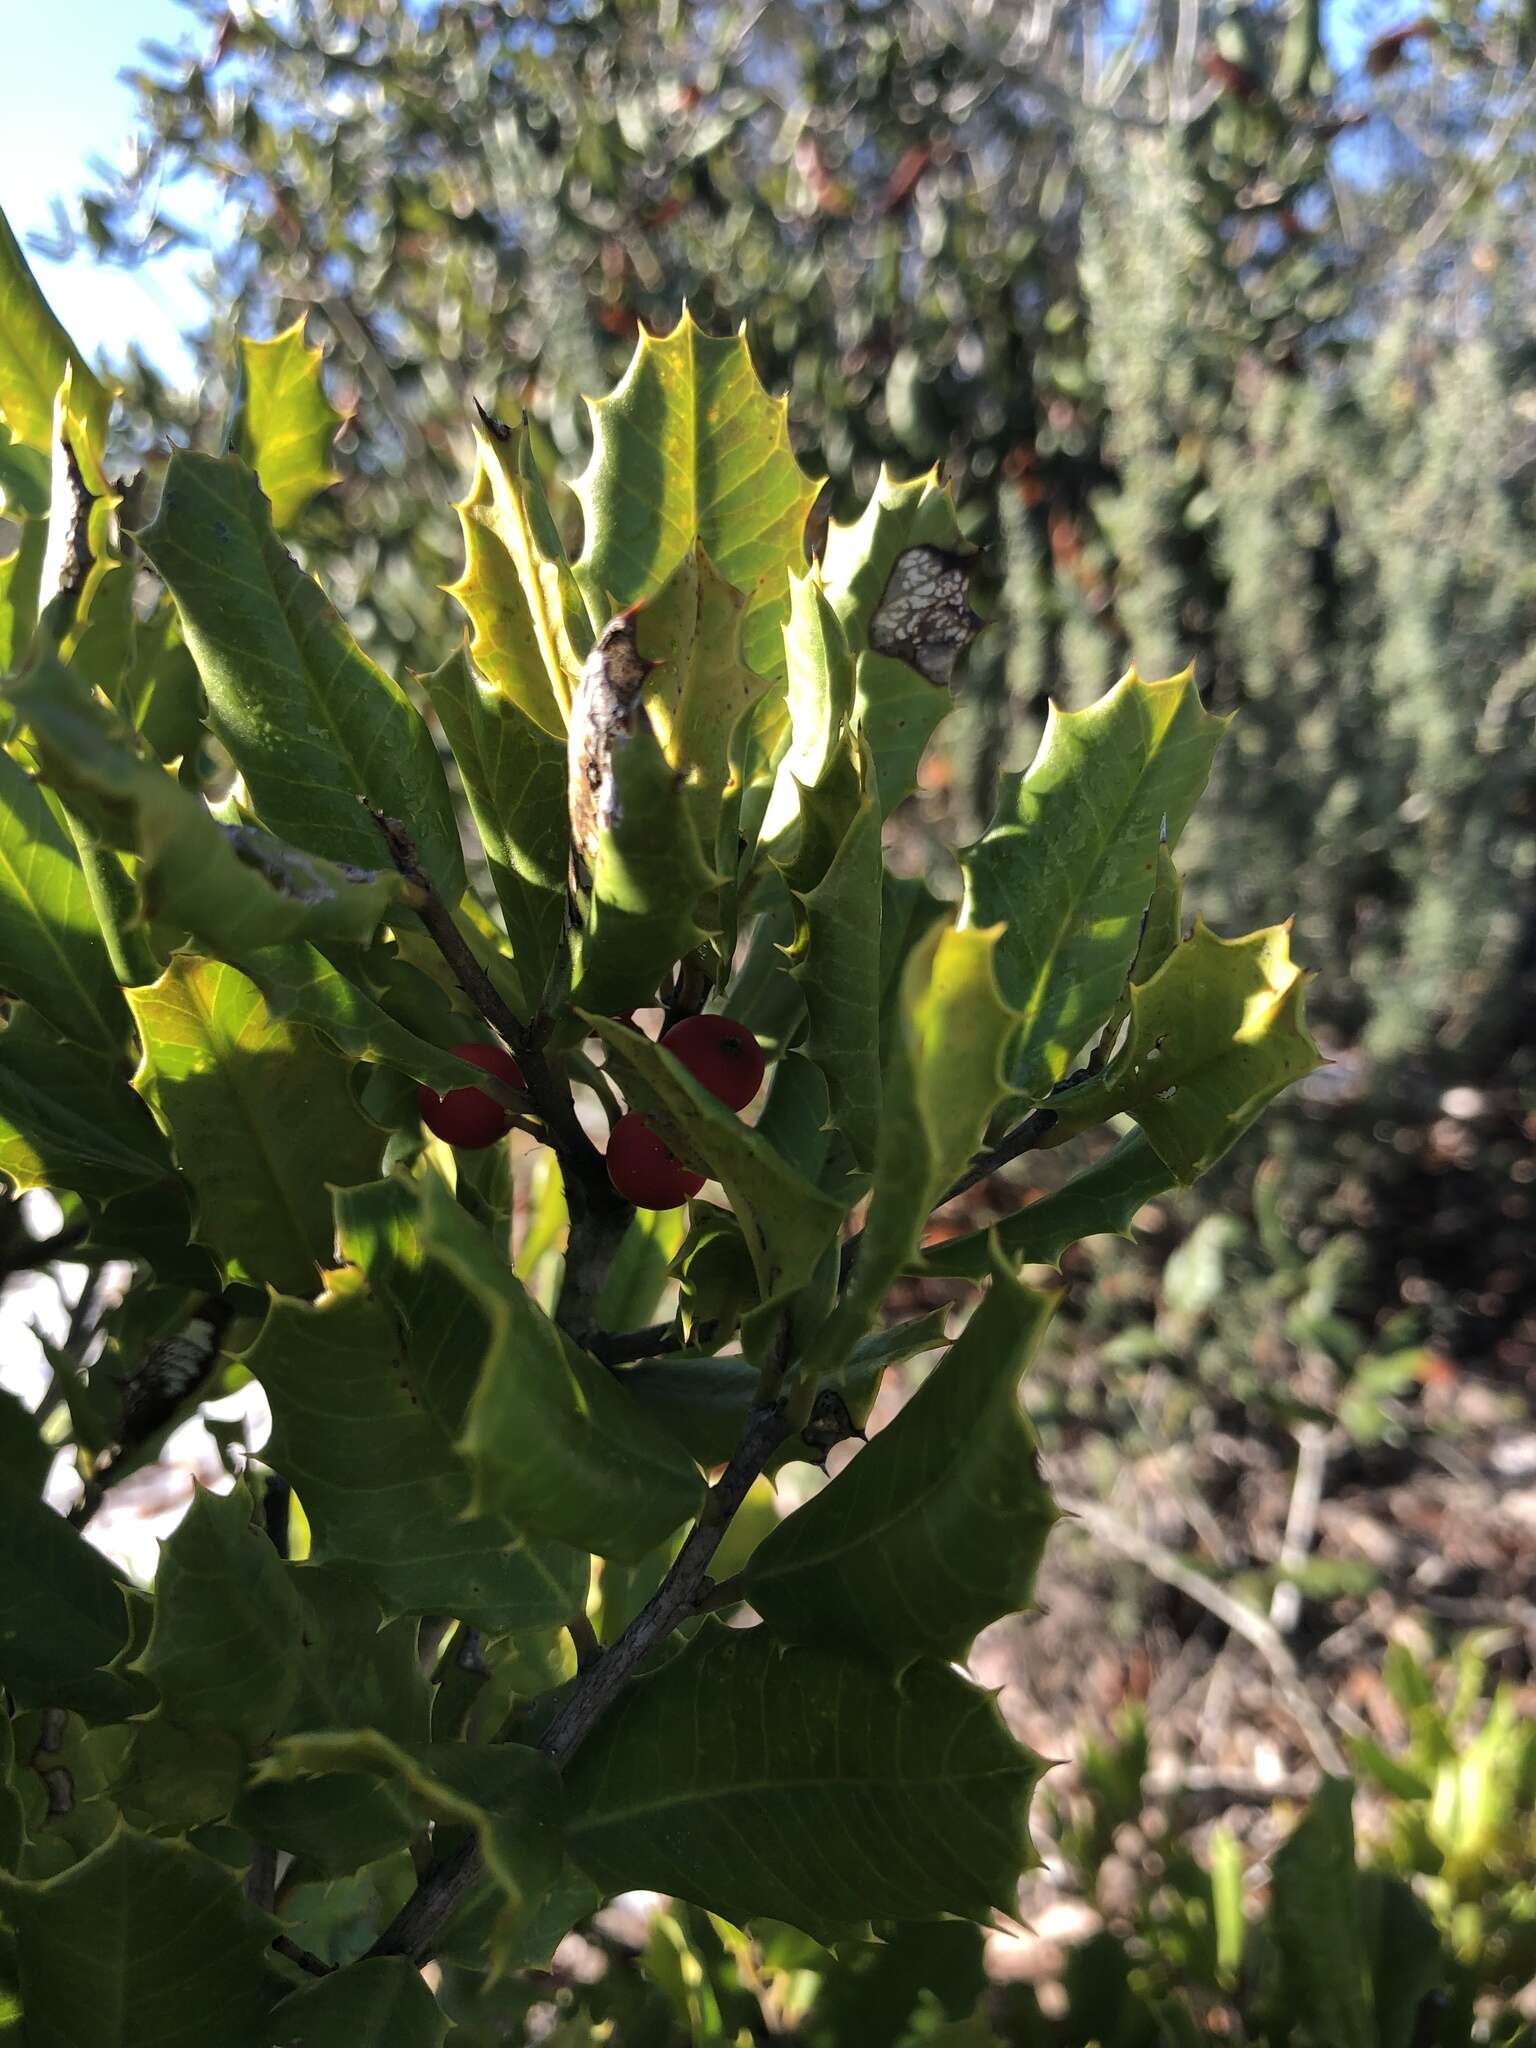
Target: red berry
721	1055
643	1170
468	1117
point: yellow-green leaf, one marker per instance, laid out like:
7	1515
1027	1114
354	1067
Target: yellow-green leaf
1072	861
1215	1034
259	1115
51	948
691	448
514	777
530	630
700	689
286	423
35	354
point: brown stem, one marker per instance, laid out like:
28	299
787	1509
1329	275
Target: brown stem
599	1217
416	1926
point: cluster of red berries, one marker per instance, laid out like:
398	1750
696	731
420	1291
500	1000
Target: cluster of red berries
722	1056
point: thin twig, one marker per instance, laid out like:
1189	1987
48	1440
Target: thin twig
302	1957
1312	1445
1243	1620
584	1641
416	1926
599	1218
1024	1137
623	1347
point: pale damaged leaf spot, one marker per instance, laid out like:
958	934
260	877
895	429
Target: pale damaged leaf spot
925	618
602	712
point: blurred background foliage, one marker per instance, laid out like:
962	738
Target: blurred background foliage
1220	318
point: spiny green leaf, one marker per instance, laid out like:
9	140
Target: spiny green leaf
351	1674
552	1440
1215	1034
260	1117
531	632
299	982
379	1481
704	1402
233	887
223	1648
286	424
690	448
700	689
142	1944
860	554
68	1118
937	1526
896	713
63	1616
514	778
1098	1202
1071	863
51	950
311	723
378	2003
442	1330
836	961
650	882
759	1778
818	697
508	1793
160	694
943	1076
1162	930
35	354
787	1223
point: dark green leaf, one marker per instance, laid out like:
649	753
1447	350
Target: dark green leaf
223	1651
936	1527
142	1944
68	1118
383	1490
758	1778
1100	1201
553	1442
63	1615
378	2004
1314	1919
311	722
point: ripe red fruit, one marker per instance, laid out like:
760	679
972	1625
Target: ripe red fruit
720	1054
468	1117
642	1169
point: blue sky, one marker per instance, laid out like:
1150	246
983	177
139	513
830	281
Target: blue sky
61	103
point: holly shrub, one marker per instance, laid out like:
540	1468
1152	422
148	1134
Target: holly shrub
460	1657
